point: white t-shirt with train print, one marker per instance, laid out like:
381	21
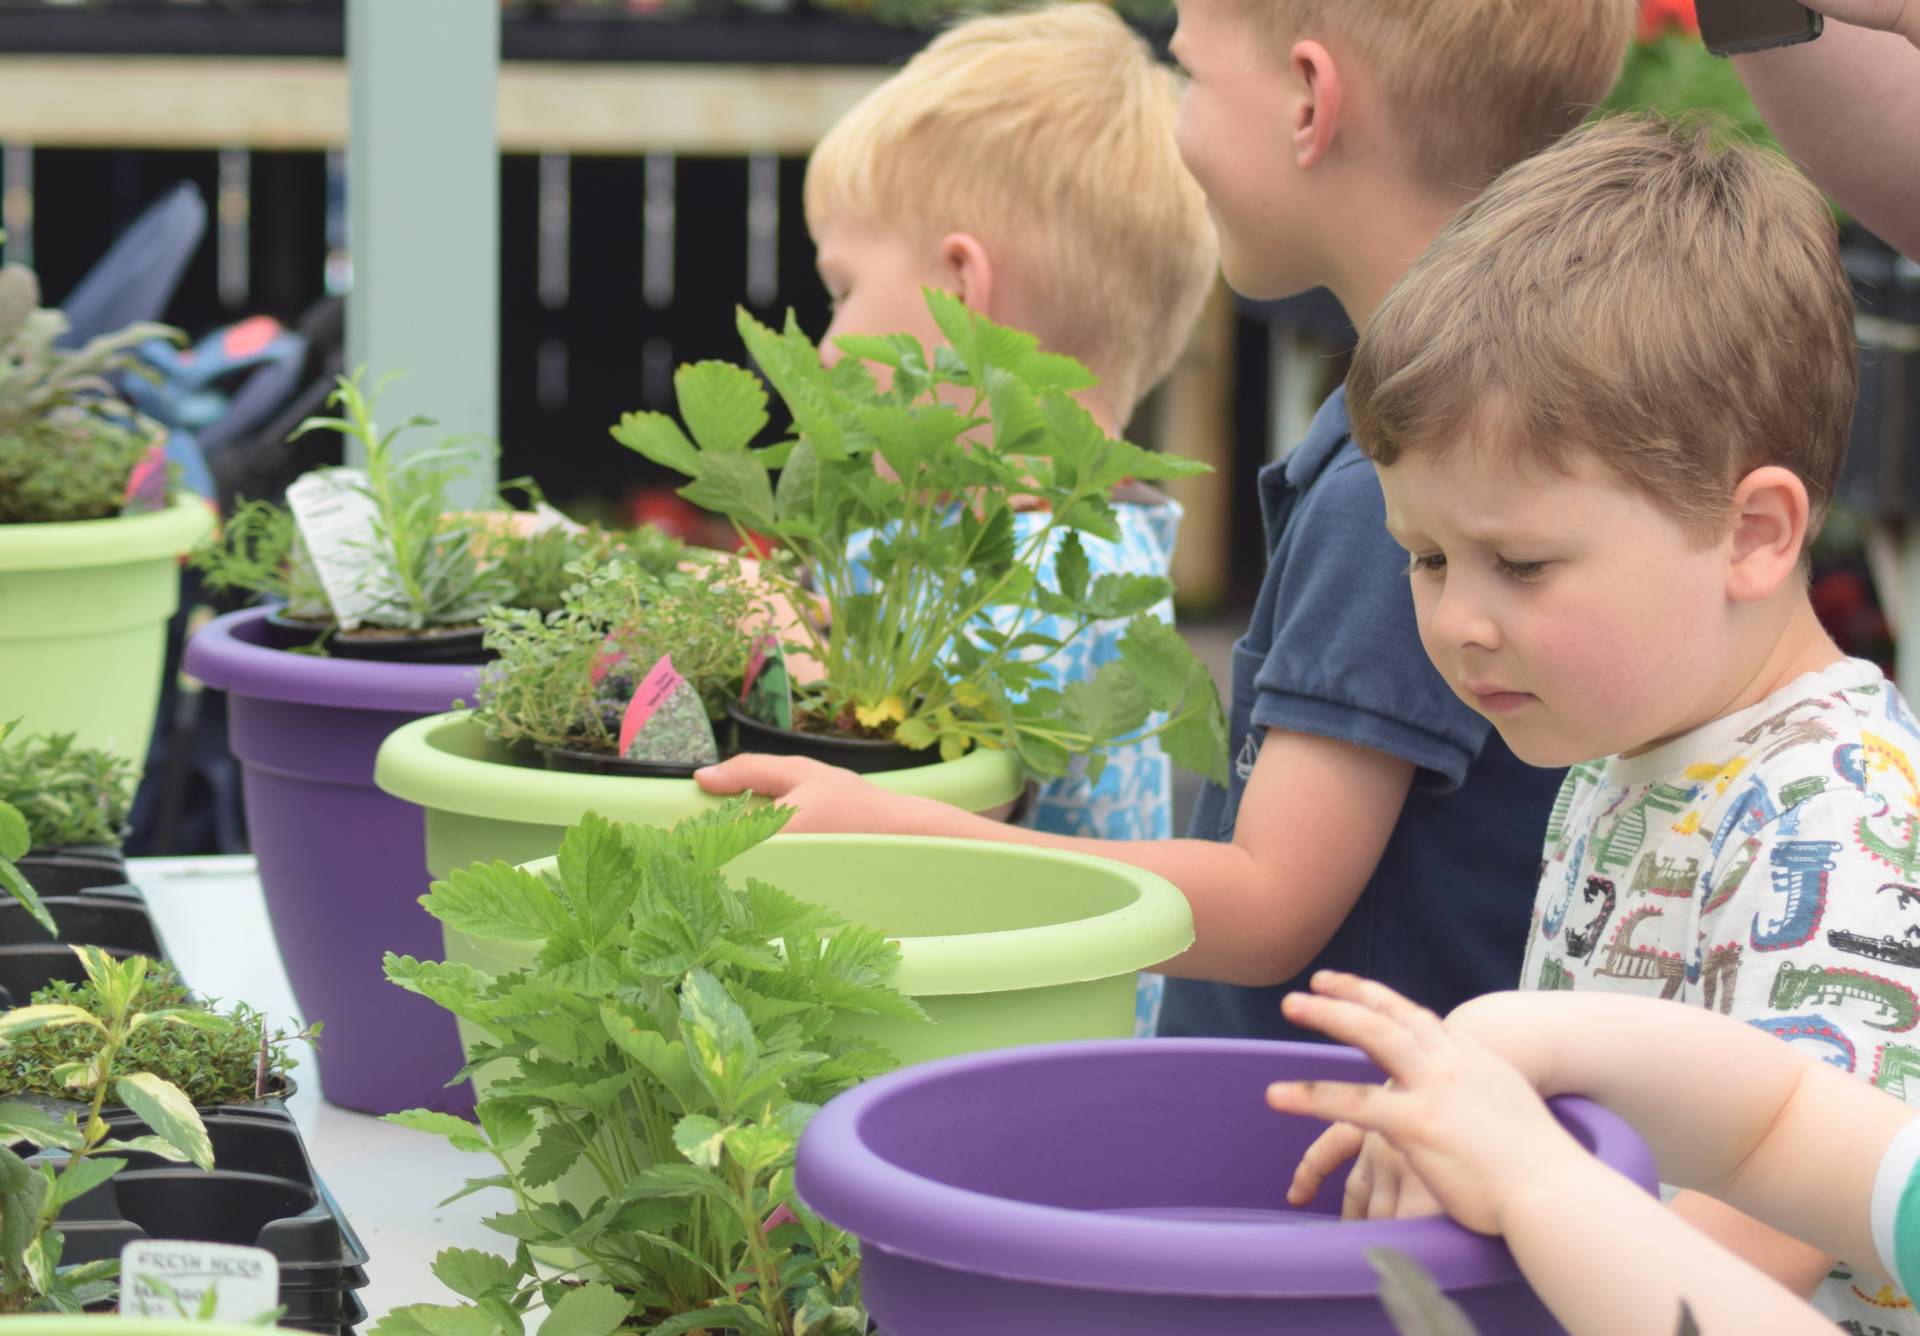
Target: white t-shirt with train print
1766	866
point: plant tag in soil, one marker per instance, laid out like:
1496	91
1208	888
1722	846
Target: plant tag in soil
335	517
147	484
766	690
211	1282
666	723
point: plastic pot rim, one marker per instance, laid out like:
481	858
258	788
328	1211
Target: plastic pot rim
415	764
898	1211
121	540
225	654
1154	926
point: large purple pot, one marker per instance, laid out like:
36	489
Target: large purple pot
1131	1186
343	864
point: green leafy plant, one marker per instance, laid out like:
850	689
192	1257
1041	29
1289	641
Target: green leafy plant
32	1192
69	794
661	1056
68	443
16	837
258	552
563	679
227	1057
910	559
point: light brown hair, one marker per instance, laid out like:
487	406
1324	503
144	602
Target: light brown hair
1049	136
1643	292
1473	86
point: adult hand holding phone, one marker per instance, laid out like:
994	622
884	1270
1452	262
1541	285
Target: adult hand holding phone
1896	16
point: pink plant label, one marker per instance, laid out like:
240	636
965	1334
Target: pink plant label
147	484
653	689
762	651
609	658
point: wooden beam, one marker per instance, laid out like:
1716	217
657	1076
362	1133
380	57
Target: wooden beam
269	103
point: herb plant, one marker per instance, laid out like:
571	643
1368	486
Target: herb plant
563	679
16	838
32	1192
664	1051
70	795
227	1057
908	649
68	443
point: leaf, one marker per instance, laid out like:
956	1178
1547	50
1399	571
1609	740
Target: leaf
590	1310
146	1145
720	1034
1413	1300
81	1176
26	1122
506	1125
989	543
664	1060
894	350
736	486
473	1185
46	1015
1115	596
460	1134
555	1151
1198	739
208	1022
1110	705
163	1107
440	1320
22	1194
659	438
598	874
497	902
701	1139
725	406
15	838
1071	569
718	1317
473	1274
1160	658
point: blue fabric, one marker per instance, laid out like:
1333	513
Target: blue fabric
1333	650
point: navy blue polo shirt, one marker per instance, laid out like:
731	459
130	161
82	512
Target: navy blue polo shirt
1333	650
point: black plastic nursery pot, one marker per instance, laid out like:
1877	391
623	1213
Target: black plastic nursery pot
116	922
262	1192
575	761
452	644
74	868
865	756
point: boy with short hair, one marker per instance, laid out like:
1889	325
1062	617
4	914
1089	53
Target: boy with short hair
1608	409
1026	163
1373	822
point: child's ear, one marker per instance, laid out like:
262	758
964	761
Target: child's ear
1318	104
969	270
1771	512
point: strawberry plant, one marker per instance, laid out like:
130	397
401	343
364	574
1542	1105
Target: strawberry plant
666	1049
927	475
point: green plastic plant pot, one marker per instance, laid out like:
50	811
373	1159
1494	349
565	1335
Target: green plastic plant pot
482	804
83	621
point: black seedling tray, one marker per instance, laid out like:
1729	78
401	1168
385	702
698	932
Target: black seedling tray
73	870
261	1192
117	922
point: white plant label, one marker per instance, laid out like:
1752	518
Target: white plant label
171	1279
335	517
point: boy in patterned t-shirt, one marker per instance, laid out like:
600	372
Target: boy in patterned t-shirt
1608	409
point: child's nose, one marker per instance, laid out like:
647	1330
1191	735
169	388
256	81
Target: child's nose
1461	620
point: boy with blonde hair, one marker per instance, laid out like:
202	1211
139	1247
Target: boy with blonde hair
1608	408
1026	163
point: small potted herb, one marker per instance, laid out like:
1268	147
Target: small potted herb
340	862
564	680
75	801
91	530
894	512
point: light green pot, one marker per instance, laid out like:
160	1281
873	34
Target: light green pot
83	621
481	804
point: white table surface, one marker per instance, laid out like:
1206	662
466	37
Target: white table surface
388	1180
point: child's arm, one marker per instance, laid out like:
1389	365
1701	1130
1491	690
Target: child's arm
1313	822
1848	108
1750	1118
1727	1110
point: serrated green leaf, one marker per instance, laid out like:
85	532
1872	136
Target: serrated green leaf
718	1317
20	1121
497	902
163	1107
659	438
82	1176
554	1152
460	1134
737	486
597	869
701	1139
720	1035
51	1015
144	1145
663	1059
472	1274
506	1125
725	406
440	1320
473	1185
590	1310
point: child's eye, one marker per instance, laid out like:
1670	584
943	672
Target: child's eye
1432	562
1521	570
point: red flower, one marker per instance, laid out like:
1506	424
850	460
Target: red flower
1657	16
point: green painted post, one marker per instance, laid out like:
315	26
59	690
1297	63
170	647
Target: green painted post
423	172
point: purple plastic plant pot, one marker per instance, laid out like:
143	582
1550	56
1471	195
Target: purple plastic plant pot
1127	1187
343	864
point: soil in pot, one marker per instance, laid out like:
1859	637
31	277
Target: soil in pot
865	756
76	868
449	644
30	960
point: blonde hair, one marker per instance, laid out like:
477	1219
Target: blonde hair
1048	135
1473	86
1643	292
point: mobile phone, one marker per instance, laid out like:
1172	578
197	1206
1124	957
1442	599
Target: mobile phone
1732	27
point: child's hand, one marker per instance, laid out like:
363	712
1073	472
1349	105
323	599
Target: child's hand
1470	1126
1380	1187
828	800
1901	16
